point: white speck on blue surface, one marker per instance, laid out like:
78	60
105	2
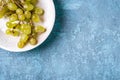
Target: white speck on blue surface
84	45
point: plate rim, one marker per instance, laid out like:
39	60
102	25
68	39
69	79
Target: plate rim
25	50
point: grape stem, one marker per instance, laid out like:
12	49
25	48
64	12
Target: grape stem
2	5
17	2
31	22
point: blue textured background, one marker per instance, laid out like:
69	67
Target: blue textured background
84	45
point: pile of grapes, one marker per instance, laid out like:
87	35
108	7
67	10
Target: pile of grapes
22	15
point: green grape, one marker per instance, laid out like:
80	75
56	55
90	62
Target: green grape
12	6
34	34
11	24
3	11
20	44
21	17
15	33
26	29
19	11
40	29
23	26
35	18
22	14
28	6
8	32
39	11
33	41
8	14
1	14
27	0
27	20
18	27
27	14
34	2
13	17
24	38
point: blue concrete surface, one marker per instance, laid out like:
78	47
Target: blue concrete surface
84	45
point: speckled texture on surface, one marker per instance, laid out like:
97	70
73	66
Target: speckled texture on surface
84	45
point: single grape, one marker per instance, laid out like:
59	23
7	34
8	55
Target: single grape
35	18
15	33
39	11
12	6
28	6
34	2
24	38
13	17
21	17
34	34
26	29
19	11
3	11
27	14
40	29
33	41
20	44
8	31
11	24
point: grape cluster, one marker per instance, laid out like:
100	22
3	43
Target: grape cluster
22	15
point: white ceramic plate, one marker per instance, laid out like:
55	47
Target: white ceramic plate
9	43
